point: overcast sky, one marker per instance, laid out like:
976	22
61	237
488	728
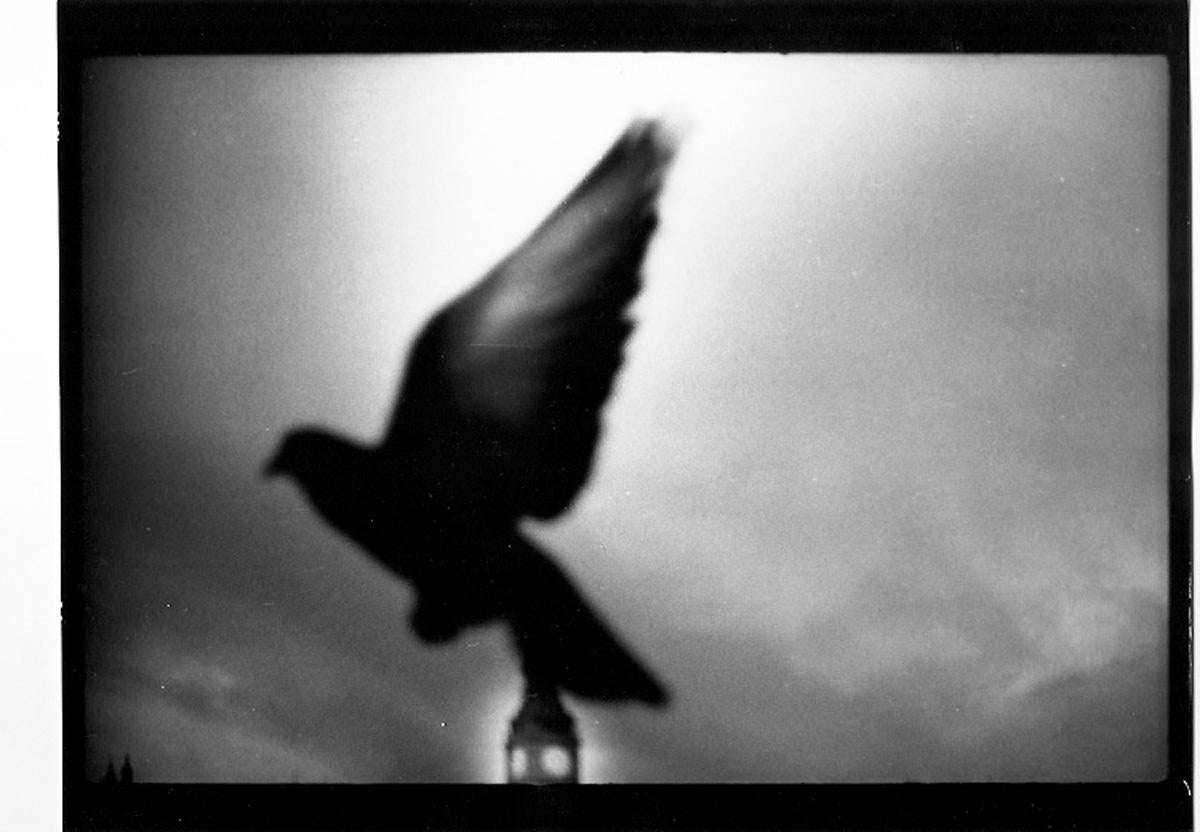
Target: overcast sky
882	491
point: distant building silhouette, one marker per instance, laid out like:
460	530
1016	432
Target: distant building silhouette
542	744
110	774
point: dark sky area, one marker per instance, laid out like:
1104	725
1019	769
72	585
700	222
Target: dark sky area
882	491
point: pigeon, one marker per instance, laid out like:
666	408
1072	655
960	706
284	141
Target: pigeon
498	420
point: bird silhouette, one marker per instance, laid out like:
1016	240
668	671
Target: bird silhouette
498	419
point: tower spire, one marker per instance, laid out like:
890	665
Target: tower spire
543	746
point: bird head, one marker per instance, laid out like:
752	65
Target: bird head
296	453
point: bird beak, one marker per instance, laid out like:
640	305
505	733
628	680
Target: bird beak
271	468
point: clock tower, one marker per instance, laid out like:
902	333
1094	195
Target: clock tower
542	744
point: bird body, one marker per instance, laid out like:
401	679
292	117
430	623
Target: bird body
498	419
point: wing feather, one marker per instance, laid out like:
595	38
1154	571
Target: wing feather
504	386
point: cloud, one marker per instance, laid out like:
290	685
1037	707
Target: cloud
287	705
763	720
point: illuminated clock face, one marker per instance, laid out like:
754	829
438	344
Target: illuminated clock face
556	761
519	762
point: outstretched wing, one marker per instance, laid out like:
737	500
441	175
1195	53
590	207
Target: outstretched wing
501	401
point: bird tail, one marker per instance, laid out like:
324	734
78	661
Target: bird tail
562	641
